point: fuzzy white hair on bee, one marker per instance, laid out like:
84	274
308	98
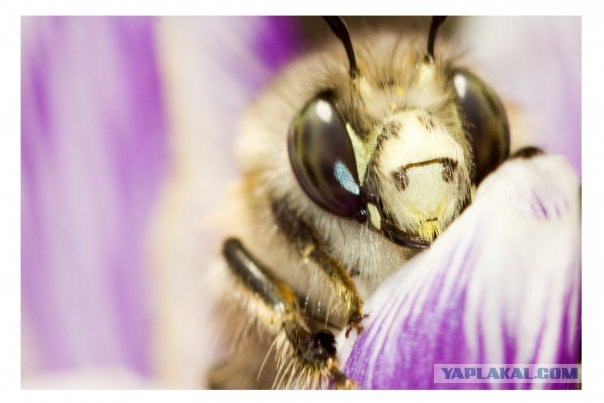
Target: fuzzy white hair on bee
354	159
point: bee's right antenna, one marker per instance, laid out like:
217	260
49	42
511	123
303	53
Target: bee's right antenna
436	22
339	28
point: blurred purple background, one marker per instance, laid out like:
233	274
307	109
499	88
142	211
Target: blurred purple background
94	154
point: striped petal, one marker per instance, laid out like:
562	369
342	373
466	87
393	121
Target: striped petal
500	286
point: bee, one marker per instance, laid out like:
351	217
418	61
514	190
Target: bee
354	160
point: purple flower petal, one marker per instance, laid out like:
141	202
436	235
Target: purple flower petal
500	286
93	156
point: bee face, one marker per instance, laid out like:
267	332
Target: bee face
390	147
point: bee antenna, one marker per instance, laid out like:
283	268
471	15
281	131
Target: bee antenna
436	22
339	28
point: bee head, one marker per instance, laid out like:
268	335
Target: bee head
392	141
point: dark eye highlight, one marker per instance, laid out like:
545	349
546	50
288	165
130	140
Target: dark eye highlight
486	122
322	158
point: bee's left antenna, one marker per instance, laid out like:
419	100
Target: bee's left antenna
339	28
436	22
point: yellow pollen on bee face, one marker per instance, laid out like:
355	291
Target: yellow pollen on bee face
392	106
400	91
429	230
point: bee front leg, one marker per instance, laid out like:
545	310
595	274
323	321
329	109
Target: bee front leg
305	358
298	232
341	282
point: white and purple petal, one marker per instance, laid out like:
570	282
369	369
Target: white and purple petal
500	286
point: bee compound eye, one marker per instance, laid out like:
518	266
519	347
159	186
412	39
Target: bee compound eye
322	158
485	120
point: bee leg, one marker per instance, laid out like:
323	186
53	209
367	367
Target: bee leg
341	282
310	246
306	358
